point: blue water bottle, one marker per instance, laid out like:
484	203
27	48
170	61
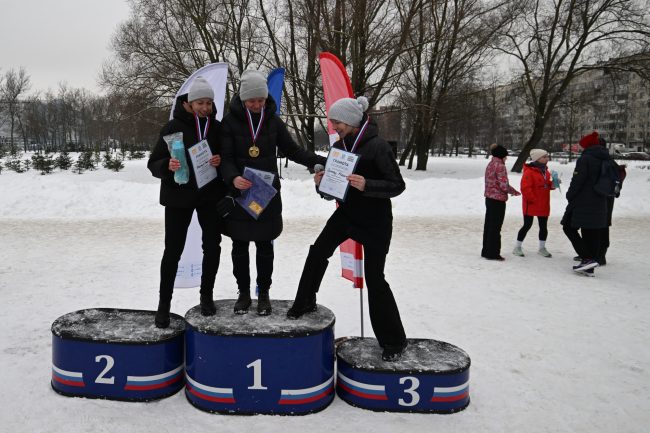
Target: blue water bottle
182	175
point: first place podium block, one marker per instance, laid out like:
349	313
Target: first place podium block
431	377
250	364
117	355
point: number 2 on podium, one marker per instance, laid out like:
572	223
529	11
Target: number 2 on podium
257	374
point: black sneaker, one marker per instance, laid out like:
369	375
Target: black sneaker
393	353
243	303
585	265
263	303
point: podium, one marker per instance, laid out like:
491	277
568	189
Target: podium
117	354
431	377
250	364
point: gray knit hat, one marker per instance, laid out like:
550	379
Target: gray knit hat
200	89
536	154
253	85
349	111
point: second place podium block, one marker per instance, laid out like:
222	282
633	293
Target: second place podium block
250	364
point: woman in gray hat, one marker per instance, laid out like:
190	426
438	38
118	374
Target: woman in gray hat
196	120
365	216
250	137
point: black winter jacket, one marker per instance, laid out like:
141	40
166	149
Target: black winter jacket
235	141
370	211
186	195
586	208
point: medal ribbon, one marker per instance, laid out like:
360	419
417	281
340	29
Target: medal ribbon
254	133
358	139
198	128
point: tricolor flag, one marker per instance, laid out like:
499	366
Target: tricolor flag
362	390
147	383
307	395
209	393
450	393
70	378
336	85
275	83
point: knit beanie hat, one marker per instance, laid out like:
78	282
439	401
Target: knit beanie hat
253	85
498	151
349	111
200	89
536	154
589	140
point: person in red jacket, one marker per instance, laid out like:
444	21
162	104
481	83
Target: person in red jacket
497	189
536	186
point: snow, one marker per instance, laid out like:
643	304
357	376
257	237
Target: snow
550	351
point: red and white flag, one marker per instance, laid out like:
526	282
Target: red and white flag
336	85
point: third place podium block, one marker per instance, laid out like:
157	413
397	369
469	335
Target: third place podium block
432	377
250	364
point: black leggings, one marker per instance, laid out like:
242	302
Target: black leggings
177	221
263	261
528	223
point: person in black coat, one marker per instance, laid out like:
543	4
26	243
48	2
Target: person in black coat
251	136
586	210
196	120
366	217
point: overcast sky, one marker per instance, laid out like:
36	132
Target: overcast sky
58	40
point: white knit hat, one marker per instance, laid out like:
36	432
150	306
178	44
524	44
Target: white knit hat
349	111
536	154
200	89
253	85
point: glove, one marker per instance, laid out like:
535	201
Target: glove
225	206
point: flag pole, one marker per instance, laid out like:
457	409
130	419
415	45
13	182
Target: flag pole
361	305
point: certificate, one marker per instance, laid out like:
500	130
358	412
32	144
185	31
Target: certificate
200	155
340	164
256	198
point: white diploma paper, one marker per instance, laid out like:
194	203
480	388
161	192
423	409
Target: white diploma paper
200	155
340	164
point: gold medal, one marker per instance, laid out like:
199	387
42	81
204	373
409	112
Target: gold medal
254	151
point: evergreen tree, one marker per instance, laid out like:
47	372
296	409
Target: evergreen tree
43	162
63	161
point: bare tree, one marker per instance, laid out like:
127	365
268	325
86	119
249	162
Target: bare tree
451	39
15	85
554	42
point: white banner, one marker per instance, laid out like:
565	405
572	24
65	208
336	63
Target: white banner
189	266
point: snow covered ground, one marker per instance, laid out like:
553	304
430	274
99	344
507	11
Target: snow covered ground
551	351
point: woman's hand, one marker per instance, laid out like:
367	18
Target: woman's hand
318	176
241	183
357	181
174	164
215	161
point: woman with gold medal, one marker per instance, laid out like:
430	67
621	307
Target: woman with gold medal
251	135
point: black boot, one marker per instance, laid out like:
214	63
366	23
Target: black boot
162	315
263	303
243	301
207	306
312	275
393	353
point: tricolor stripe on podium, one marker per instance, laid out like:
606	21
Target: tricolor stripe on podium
209	393
70	378
307	395
363	390
146	383
451	393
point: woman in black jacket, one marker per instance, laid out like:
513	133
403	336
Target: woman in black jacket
586	210
365	216
196	120
251	135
